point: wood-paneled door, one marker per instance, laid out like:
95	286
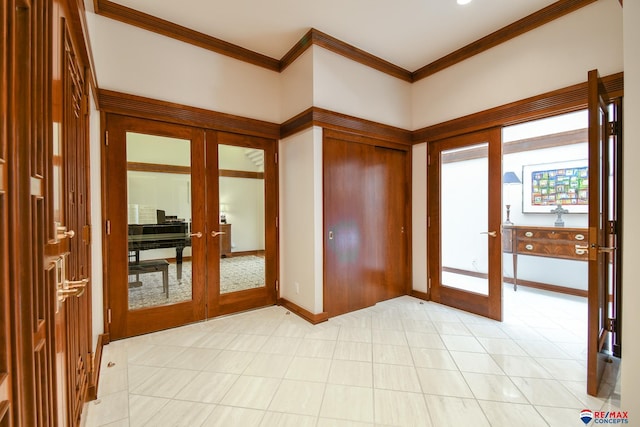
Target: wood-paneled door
365	222
603	146
464	222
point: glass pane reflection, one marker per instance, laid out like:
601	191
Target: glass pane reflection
159	217
464	217
241	199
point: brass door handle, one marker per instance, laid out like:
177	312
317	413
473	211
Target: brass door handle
490	233
217	233
61	232
198	234
606	249
72	288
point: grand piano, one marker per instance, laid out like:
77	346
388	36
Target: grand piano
174	234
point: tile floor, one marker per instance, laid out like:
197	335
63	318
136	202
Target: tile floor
403	362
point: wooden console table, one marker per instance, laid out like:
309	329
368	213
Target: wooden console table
551	242
225	240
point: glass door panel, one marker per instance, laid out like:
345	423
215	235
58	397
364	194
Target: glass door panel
464	233
464	220
242	218
159	215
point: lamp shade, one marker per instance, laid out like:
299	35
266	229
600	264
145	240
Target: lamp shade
510	178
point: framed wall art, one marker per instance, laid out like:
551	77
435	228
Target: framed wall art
547	185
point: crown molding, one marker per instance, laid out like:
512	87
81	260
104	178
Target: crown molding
528	23
148	22
327	119
138	106
563	100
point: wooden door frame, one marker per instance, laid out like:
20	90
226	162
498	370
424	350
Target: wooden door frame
251	298
490	305
115	237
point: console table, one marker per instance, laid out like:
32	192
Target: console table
551	242
225	240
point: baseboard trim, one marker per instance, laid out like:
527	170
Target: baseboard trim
92	391
547	287
420	295
305	314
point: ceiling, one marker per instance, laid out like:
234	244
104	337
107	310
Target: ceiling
407	33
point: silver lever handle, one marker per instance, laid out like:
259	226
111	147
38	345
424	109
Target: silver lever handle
217	233
606	249
198	234
490	233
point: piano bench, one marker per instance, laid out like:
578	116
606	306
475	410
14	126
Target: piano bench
152	266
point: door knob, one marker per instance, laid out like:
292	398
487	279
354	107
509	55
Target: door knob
217	233
490	233
198	234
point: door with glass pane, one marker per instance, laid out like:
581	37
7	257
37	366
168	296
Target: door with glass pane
241	222
155	225
465	234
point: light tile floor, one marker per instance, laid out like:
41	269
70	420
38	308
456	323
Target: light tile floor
403	362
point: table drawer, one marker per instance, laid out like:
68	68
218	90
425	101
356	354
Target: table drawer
555	249
569	235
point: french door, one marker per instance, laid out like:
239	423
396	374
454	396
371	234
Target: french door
190	224
603	227
464	229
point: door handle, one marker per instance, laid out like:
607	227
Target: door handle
490	233
217	233
606	249
72	288
61	232
198	234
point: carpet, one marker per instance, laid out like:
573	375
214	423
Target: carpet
236	274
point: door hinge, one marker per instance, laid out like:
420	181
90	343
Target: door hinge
106	138
428	221
614	128
429	160
109	316
107	227
429	284
611	325
277	222
276	157
277	286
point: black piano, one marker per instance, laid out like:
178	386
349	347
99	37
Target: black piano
143	237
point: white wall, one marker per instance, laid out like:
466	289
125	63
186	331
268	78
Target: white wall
97	290
297	86
418	217
349	87
301	220
131	60
631	201
553	56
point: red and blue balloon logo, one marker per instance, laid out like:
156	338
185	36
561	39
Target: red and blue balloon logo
586	416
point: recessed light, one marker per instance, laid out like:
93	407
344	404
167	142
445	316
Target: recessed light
464	1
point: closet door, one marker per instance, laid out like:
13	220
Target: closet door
365	217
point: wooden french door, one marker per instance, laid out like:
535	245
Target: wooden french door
242	203
154	171
365	222
191	224
602	229
464	222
